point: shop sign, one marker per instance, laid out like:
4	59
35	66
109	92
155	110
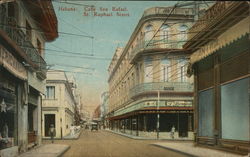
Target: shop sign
168	88
10	63
179	103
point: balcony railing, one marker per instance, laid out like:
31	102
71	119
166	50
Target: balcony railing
155	44
161	86
211	15
167	10
9	25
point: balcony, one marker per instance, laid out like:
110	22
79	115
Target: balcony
217	19
157	45
16	34
161	86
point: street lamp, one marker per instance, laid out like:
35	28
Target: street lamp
158	115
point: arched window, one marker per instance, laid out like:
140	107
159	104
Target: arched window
183	33
165	33
165	70
148	32
148	69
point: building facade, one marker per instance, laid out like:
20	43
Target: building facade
58	107
104	108
149	93
220	63
23	34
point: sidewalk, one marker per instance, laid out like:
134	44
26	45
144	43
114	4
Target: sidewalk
145	138
188	148
47	150
74	137
68	137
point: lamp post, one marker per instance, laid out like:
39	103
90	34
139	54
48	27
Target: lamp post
158	115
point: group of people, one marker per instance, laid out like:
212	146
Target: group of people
52	131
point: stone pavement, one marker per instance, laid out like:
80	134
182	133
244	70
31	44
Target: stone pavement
47	150
188	148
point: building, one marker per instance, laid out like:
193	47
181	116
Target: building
23	33
97	114
220	62
104	108
58	107
149	92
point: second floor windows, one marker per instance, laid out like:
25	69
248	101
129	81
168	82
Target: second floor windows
182	69
50	92
165	70
148	70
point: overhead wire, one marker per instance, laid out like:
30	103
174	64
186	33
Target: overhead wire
72	71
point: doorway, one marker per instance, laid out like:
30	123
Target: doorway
49	119
183	125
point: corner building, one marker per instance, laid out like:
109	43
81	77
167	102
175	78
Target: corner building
25	28
58	104
220	64
148	77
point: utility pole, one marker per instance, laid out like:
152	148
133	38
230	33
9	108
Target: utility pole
158	115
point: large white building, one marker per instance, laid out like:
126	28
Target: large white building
149	92
58	104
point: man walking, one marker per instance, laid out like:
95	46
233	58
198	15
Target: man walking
52	132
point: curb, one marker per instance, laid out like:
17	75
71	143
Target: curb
64	151
73	138
174	150
142	138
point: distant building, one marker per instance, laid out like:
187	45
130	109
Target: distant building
97	114
23	34
149	92
58	104
104	108
220	62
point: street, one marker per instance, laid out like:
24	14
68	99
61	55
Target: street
106	144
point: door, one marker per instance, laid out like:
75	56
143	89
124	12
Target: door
183	125
49	119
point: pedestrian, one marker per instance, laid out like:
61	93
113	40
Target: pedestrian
172	132
52	132
72	130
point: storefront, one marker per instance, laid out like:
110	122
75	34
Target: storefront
13	96
143	122
8	113
222	77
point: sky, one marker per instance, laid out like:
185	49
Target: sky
108	32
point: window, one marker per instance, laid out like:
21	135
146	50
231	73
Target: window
183	33
148	70
165	70
235	104
181	70
165	33
39	46
148	32
50	92
206	113
28	31
12	13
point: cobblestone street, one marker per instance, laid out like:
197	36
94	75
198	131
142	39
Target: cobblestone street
105	144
